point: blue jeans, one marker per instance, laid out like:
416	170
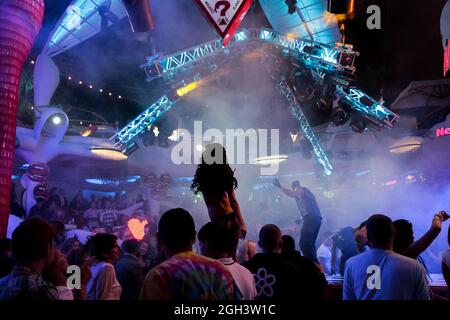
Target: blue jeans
308	236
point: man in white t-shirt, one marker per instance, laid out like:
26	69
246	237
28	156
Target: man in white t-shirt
381	274
216	242
324	253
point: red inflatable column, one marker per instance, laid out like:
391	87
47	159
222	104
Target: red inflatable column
20	21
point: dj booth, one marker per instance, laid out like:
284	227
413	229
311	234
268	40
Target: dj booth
436	281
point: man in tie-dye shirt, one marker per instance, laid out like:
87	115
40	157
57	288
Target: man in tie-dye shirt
185	275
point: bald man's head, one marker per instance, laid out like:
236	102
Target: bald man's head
270	238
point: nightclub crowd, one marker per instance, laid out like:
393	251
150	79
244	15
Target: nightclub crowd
379	259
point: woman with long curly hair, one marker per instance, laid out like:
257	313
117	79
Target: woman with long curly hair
215	179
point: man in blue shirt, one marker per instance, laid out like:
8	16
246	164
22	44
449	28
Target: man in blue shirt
311	216
381	274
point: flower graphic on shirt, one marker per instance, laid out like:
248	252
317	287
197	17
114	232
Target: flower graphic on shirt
264	282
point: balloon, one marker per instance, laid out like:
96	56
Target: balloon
38	172
151	180
165	180
41	191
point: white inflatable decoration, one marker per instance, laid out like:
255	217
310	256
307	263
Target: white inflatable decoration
13	223
41	144
46	80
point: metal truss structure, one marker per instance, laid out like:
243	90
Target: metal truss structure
338	58
296	112
334	65
372	110
124	137
328	65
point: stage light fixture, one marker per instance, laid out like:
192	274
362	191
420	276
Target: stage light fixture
188	88
358	125
324	105
339	6
166	126
149	139
106	15
339	117
292	6
56	120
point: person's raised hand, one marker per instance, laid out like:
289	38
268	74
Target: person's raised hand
438	218
276	183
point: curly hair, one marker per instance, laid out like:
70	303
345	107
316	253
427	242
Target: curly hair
100	244
215	177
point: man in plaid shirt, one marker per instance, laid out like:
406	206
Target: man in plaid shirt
108	216
32	244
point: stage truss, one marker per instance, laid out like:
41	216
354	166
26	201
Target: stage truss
330	66
125	136
296	112
317	55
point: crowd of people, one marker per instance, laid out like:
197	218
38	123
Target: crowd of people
34	268
379	259
83	213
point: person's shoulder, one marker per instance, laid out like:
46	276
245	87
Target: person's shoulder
357	259
306	263
103	266
188	258
404	260
126	260
290	266
306	189
199	259
242	269
256	259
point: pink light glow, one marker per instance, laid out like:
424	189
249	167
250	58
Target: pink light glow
137	228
